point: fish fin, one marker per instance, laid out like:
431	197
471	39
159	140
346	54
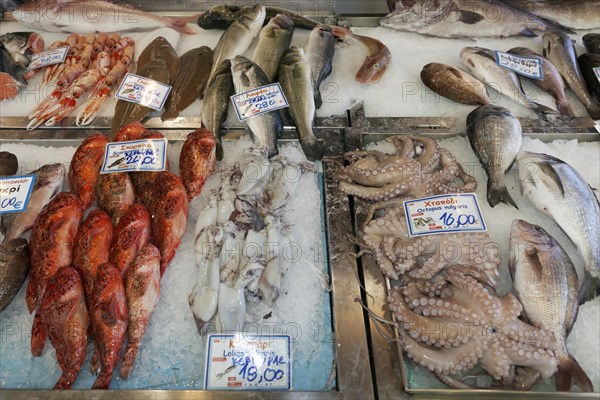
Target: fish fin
590	289
528	32
38	336
569	372
550	172
461	37
318	99
544	109
110	310
391	5
469	17
496	195
169	114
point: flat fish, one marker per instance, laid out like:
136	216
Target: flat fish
160	48
189	83
9	164
126	112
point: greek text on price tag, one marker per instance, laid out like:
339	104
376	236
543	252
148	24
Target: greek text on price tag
530	67
144	91
597	72
49	57
15	192
443	214
136	155
259	101
241	362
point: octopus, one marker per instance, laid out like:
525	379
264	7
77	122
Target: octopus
455	323
420	168
424	257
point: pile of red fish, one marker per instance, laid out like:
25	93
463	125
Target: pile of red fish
100	276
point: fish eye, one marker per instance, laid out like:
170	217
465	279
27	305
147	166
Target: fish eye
376	66
539	229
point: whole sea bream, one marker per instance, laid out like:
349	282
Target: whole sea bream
239	36
14	265
495	136
273	42
295	80
559	49
266	127
551	81
48	182
557	189
466	19
546	282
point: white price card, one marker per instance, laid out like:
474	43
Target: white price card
530	67
15	192
444	214
597	72
48	57
144	91
248	362
136	155
259	101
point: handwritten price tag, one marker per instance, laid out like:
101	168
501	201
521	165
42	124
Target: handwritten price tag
259	101
136	155
530	67
235	362
443	214
143	91
49	57
14	193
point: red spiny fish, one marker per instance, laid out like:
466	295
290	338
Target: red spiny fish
130	236
85	168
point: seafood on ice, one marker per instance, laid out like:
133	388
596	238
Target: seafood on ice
241	239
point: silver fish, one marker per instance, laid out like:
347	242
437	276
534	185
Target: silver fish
216	101
48	182
239	36
85	16
21	45
266	127
551	81
319	50
14	265
273	41
558	190
466	19
495	136
577	14
546	283
482	64
559	49
295	80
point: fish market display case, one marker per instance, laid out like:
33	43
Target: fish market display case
365	358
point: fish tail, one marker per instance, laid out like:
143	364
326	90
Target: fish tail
312	149
593	110
542	109
318	99
103	380
129	358
180	23
590	289
564	108
170	113
66	380
38	336
569	372
496	195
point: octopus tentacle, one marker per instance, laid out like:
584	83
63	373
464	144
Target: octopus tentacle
449	361
529	356
428	154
